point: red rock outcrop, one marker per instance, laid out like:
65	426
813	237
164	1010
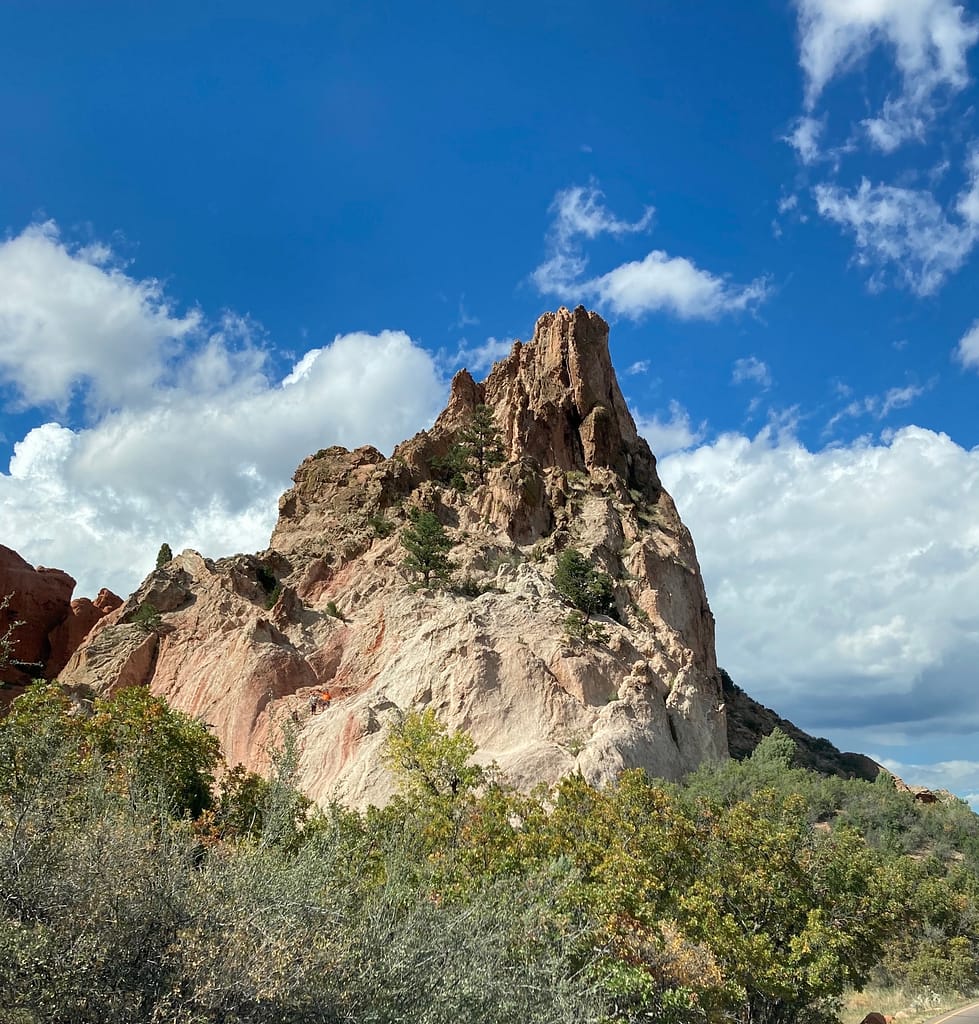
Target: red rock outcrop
247	642
52	625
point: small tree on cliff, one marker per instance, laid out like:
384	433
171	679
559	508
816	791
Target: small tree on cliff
427	545
477	449
481	442
164	555
583	585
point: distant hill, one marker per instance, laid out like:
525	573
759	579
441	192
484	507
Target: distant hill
749	722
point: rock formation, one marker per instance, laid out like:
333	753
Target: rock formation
52	625
248	642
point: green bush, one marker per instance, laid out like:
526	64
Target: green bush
589	590
148	617
382	526
577	627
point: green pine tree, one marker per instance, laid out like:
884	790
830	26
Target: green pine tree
164	555
427	545
481	442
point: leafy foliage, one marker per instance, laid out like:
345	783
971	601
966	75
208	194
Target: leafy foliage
148	617
164	555
7	636
381	525
135	889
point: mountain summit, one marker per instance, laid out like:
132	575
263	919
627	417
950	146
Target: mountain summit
536	472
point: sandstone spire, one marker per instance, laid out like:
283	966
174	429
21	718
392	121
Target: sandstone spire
493	656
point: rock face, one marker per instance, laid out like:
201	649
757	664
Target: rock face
51	624
249	642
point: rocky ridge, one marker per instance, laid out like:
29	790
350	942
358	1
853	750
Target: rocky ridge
248	642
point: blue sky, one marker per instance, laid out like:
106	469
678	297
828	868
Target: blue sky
237	233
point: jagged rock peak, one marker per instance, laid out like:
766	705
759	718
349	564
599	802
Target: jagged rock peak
556	400
497	652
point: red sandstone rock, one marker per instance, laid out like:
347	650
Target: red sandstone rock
53	625
40	599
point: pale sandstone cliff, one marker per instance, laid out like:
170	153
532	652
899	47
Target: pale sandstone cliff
498	665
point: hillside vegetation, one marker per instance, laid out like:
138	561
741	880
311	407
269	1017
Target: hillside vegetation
136	888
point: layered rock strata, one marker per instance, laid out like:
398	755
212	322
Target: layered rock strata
249	642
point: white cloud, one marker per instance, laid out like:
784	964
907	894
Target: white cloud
804	139
674	434
751	369
967	351
580	210
465	319
898	398
897	124
878	406
905	230
656	283
930	41
842	580
640	366
478	359
968	201
660	283
199	451
70	320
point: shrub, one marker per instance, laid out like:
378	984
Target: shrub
476	451
381	526
148	617
577	627
583	585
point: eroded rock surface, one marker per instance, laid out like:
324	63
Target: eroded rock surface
52	625
249	642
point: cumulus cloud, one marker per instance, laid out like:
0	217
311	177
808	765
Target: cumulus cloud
660	283
929	40
904	233
967	351
673	433
72	320
578	212
656	283
197	451
842	580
